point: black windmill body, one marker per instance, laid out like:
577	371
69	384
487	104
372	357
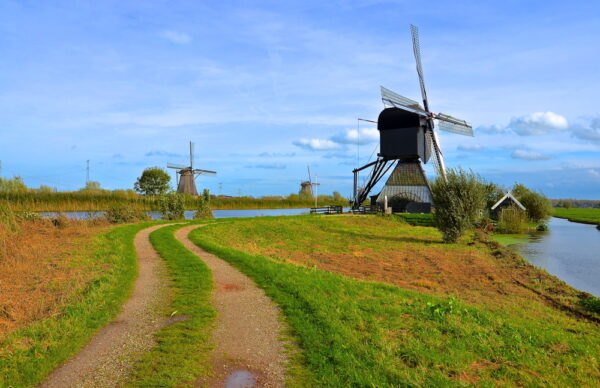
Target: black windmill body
186	176
407	140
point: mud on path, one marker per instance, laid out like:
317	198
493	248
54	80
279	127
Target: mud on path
108	358
248	349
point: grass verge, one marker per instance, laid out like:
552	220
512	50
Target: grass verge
584	216
356	333
27	355
181	355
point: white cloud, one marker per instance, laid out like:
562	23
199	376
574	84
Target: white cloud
594	173
176	36
318	144
491	129
591	133
529	155
352	136
538	123
470	147
268	166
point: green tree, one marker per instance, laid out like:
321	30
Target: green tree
537	205
92	186
154	181
459	202
13	185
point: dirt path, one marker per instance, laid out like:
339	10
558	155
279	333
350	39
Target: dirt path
108	358
249	351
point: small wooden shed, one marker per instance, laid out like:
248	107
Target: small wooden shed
506	201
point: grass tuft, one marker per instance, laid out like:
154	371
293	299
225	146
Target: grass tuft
181	355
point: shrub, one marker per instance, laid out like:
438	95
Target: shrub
120	214
512	220
203	210
592	304
171	206
538	206
459	202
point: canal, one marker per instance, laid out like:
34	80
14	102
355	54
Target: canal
569	250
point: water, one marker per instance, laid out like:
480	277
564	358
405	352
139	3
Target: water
190	213
241	379
570	251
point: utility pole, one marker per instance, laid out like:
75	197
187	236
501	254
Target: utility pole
87	173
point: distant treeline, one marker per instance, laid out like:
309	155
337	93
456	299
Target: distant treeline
576	203
104	199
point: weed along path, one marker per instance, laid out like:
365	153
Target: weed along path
107	360
249	351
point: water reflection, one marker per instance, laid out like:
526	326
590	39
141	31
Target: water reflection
569	250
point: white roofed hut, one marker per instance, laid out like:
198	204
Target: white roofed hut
504	202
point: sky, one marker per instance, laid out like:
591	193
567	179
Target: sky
265	89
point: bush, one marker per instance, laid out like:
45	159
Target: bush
171	206
538	206
203	211
512	220
459	202
121	214
592	304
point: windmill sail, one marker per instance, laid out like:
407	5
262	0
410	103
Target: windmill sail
394	99
452	124
417	51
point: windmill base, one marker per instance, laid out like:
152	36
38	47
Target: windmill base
407	189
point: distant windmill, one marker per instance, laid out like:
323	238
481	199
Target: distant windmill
186	176
309	187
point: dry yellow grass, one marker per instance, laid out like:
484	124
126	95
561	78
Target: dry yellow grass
42	266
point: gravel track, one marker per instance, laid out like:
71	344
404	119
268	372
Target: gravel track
108	358
248	328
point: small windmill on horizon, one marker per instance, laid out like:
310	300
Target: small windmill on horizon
186	176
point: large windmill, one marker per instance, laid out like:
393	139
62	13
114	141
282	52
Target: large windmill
186	176
407	138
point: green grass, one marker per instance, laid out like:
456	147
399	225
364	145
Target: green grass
29	354
585	216
356	333
416	219
509	239
182	350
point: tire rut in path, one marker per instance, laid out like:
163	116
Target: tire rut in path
108	358
249	349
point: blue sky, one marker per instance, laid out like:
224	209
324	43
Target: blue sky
265	89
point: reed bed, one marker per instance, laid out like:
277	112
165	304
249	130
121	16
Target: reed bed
101	201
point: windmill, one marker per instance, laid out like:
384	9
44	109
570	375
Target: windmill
407	139
186	176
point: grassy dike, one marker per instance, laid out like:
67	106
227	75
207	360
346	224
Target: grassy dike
585	216
362	333
181	355
29	354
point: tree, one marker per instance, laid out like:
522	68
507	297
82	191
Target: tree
154	181
92	186
459	202
537	205
13	185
